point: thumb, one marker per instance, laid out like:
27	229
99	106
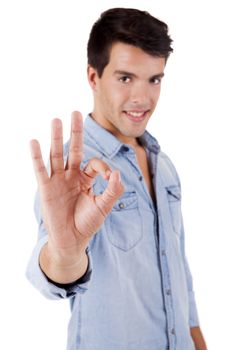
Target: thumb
113	191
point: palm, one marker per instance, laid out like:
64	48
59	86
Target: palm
70	211
69	206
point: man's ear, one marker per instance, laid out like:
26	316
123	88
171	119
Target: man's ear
93	77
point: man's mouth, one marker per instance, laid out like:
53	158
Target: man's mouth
136	116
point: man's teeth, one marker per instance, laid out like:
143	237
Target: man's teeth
135	114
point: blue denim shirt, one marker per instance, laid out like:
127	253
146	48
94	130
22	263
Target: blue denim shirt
138	294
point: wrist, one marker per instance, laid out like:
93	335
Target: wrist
63	265
63	257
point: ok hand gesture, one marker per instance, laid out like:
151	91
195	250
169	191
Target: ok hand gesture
72	214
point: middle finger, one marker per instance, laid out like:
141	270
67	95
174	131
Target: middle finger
56	152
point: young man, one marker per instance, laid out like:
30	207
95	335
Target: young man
111	236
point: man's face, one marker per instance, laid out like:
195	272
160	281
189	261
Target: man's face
127	93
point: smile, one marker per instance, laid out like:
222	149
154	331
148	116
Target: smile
136	116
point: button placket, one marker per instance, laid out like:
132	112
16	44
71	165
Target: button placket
166	285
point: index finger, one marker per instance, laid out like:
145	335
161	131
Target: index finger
75	154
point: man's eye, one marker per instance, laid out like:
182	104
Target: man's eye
125	79
156	81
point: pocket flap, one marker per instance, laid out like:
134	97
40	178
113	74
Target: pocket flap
174	193
127	201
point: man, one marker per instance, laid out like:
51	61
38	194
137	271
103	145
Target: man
111	236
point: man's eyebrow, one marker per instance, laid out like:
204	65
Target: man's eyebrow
123	72
129	74
159	75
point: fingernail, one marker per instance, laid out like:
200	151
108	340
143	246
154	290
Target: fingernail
108	173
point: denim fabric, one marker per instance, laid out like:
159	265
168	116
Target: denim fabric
139	294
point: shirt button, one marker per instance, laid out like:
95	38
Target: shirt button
168	291
173	331
125	148
163	252
121	205
140	178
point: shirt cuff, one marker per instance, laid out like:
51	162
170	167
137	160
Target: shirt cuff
193	314
50	290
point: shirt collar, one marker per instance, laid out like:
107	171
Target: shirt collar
108	144
150	142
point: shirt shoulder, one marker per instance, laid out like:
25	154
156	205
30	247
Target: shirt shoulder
167	170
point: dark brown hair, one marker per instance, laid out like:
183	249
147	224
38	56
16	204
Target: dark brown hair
130	26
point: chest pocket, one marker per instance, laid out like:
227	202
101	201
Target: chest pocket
124	223
174	202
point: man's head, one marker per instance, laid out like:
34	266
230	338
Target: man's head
127	53
129	26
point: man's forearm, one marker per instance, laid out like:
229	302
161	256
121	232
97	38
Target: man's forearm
198	338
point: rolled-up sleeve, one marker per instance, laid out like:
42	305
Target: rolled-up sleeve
39	280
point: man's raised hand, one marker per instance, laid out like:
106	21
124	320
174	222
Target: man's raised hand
72	214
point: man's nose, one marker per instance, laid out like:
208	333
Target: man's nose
140	94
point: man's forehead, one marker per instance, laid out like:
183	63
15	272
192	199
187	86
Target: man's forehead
131	59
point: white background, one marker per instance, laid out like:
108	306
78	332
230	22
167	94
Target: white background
43	75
